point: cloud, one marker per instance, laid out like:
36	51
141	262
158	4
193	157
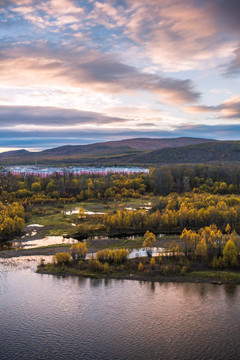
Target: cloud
68	66
190	34
59	7
185	35
234	67
33	139
23	117
229	109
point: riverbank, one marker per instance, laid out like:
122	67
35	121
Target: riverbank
93	245
210	276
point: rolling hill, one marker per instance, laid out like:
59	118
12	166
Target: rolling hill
132	151
220	151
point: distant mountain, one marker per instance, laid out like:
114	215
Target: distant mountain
108	149
131	151
14	155
154	144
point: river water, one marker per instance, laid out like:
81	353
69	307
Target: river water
49	317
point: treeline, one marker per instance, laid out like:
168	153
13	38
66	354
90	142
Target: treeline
210	245
11	220
160	181
70	186
175	212
202	178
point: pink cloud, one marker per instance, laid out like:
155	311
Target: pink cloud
229	109
68	66
180	36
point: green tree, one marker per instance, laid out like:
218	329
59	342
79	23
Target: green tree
36	187
51	186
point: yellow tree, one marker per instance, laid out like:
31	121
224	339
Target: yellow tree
228	229
230	254
149	240
81	213
78	251
190	239
201	249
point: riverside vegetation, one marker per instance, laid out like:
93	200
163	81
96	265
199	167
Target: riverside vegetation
200	205
205	252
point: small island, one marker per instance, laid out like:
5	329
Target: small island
207	256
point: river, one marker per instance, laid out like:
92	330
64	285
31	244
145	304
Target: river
49	317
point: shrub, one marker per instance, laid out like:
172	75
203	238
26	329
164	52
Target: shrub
82	264
217	263
152	263
160	259
120	256
95	265
117	256
183	270
106	268
62	258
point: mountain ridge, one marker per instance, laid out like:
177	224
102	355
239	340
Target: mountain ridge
136	151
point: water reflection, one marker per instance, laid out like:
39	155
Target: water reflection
231	290
46	241
49	317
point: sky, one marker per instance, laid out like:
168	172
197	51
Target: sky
78	72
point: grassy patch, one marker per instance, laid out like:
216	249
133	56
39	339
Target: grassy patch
215	275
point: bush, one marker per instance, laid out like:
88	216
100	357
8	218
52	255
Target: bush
152	263
140	266
95	265
117	256
120	256
62	258
106	268
183	270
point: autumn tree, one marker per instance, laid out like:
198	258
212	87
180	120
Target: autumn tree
78	251
81	213
149	240
201	249
230	254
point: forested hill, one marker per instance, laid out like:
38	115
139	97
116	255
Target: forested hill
132	152
220	151
107	151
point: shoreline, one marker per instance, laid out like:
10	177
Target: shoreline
187	278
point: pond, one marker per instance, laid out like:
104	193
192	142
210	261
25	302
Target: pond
46	241
47	317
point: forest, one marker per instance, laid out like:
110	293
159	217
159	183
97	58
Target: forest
191	197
